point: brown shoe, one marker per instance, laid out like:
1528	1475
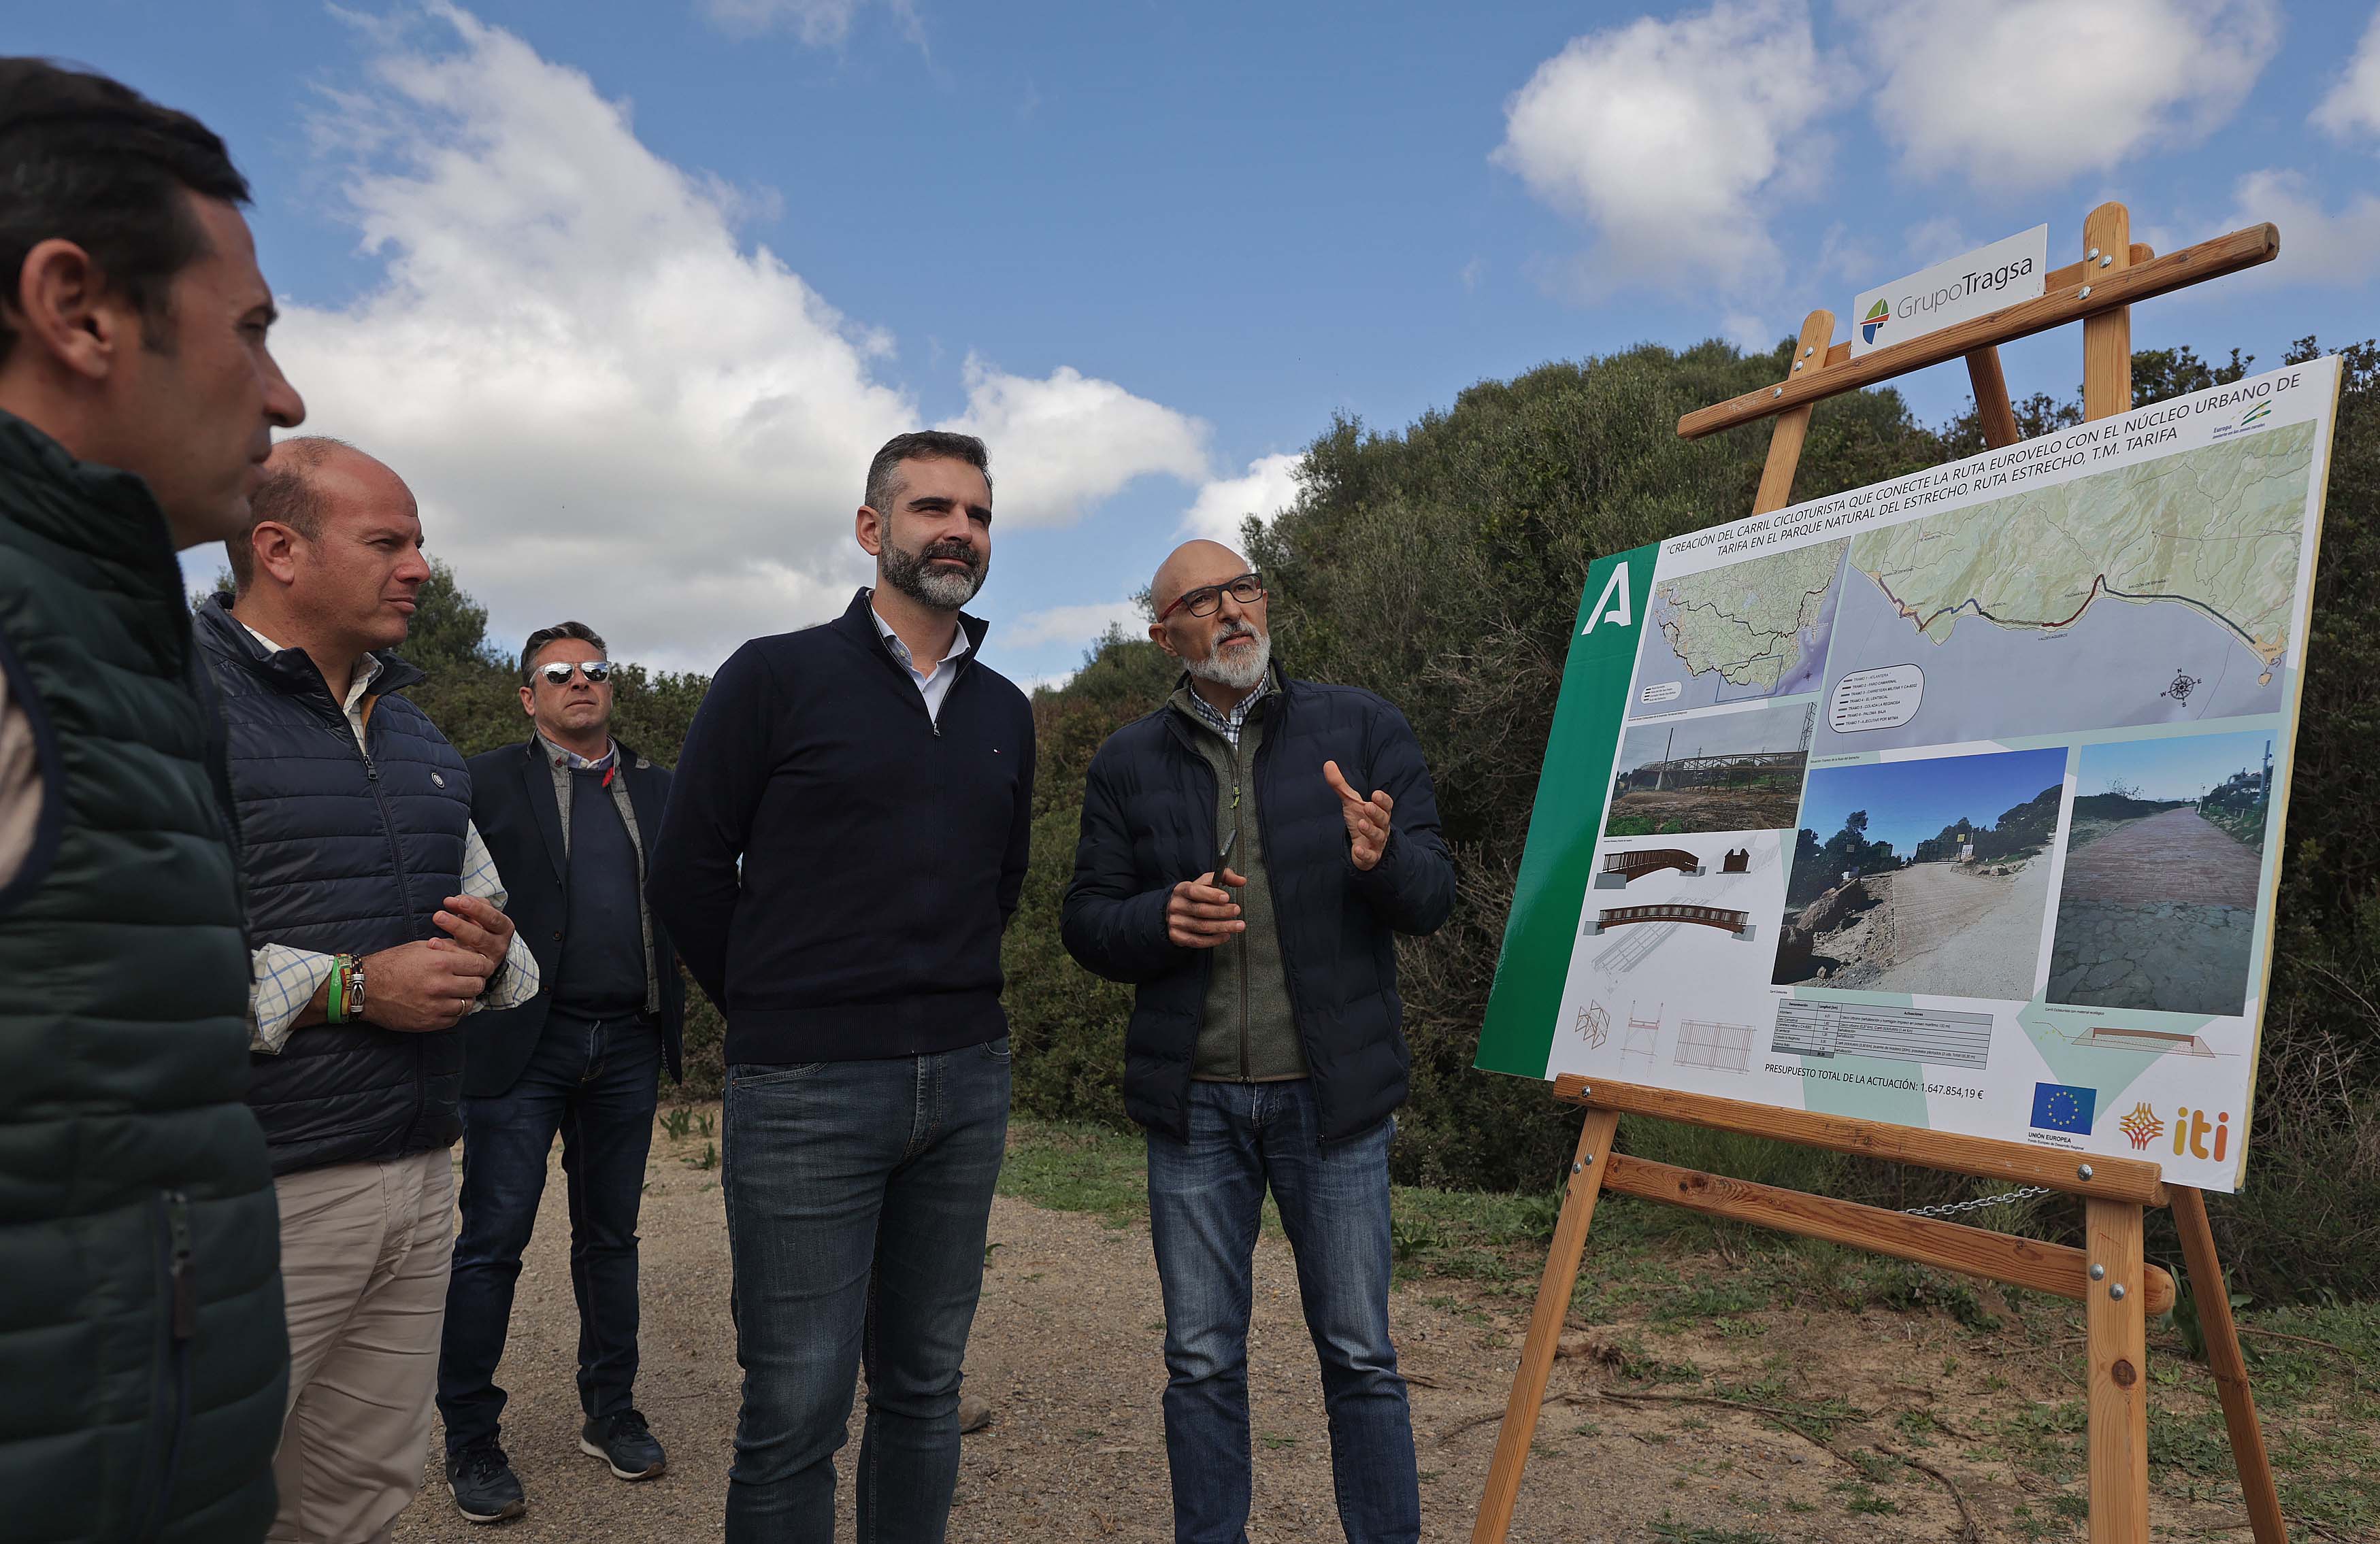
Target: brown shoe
974	1414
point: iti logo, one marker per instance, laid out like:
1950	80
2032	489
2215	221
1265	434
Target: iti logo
2142	1125
1877	315
2256	415
2190	1131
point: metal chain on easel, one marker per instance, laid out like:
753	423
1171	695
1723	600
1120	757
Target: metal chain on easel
1952	1208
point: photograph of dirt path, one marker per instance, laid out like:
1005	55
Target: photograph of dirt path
2158	909
1712	1387
1909	894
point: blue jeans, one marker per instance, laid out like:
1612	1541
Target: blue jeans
595	1081
1206	1200
858	1194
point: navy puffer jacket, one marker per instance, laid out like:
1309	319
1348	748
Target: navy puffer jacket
1148	823
345	854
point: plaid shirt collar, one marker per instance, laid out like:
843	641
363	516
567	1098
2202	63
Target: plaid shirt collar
1229	725
572	761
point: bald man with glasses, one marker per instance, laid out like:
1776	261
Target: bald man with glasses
1250	853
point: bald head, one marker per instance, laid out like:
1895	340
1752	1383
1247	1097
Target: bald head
1190	565
305	478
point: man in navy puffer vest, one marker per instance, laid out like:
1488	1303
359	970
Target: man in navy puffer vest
1231	870
375	914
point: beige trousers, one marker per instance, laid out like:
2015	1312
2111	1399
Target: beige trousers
364	1251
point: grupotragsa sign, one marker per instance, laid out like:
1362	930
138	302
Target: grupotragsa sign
1984	280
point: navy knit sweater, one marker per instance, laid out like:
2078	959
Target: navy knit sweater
836	866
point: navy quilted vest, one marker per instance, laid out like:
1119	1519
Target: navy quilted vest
344	855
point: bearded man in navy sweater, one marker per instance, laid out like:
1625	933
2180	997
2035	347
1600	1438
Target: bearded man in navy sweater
842	849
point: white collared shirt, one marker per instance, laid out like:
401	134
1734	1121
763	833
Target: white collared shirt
934	685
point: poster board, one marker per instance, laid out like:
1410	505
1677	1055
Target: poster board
2050	677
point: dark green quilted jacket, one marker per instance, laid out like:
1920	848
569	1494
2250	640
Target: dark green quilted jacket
143	1358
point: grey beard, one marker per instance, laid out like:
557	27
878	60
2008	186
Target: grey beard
908	572
1242	672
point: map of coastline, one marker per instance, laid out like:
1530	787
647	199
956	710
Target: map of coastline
1750	629
2175	578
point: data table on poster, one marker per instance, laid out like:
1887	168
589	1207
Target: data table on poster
1918	1034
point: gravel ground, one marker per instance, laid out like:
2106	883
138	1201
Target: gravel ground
1067	1347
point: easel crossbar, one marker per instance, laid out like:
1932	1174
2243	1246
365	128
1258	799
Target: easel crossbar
2112	290
2102	1178
2054	1268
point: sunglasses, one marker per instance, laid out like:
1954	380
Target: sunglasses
597	673
1206	600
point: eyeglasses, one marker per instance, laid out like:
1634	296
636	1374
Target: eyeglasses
1207	599
597	673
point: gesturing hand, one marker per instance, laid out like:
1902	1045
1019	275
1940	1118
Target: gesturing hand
1367	819
478	927
1199	915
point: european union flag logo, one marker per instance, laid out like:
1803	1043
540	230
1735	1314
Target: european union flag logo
2063	1107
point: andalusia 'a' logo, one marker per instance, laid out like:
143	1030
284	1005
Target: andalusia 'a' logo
1614	589
2142	1125
1873	323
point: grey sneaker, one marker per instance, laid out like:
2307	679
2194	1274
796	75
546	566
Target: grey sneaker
974	1414
481	1479
624	1442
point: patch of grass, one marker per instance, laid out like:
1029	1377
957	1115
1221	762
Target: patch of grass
1077	1169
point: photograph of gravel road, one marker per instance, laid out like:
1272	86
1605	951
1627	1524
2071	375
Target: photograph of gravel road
2159	905
1898	887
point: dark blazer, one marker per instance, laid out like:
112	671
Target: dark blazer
512	803
1148	823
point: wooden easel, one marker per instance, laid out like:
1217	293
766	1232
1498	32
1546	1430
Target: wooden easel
2108	1275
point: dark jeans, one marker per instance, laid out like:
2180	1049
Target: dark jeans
858	1193
596	1081
1206	1200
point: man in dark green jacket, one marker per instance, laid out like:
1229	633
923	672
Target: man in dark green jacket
140	1317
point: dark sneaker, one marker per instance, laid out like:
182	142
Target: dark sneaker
623	1442
485	1489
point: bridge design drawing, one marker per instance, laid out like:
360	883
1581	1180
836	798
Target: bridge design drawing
1619	868
1736	923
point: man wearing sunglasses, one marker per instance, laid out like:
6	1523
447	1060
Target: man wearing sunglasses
567	816
1232	870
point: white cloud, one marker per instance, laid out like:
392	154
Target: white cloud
2029	94
1075	624
1062	444
609	406
2318	246
1670	137
1267	487
2354	105
819	23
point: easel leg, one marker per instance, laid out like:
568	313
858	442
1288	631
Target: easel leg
1545	1328
2213	1296
2119	1388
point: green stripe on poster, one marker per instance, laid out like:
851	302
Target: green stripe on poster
1571	792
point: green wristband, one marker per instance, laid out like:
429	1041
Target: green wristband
338	1004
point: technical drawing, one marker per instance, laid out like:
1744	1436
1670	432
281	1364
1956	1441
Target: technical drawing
1592	1025
1727	920
1619	868
1721	1047
1644	1035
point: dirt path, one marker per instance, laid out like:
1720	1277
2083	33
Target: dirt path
2174	856
1067	1347
1945	928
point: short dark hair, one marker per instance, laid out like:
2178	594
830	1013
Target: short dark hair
286	497
88	160
559	631
925	444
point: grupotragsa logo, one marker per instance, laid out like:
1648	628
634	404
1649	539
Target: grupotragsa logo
1877	315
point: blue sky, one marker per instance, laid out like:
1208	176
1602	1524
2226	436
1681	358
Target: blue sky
2181	768
630	292
1909	800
